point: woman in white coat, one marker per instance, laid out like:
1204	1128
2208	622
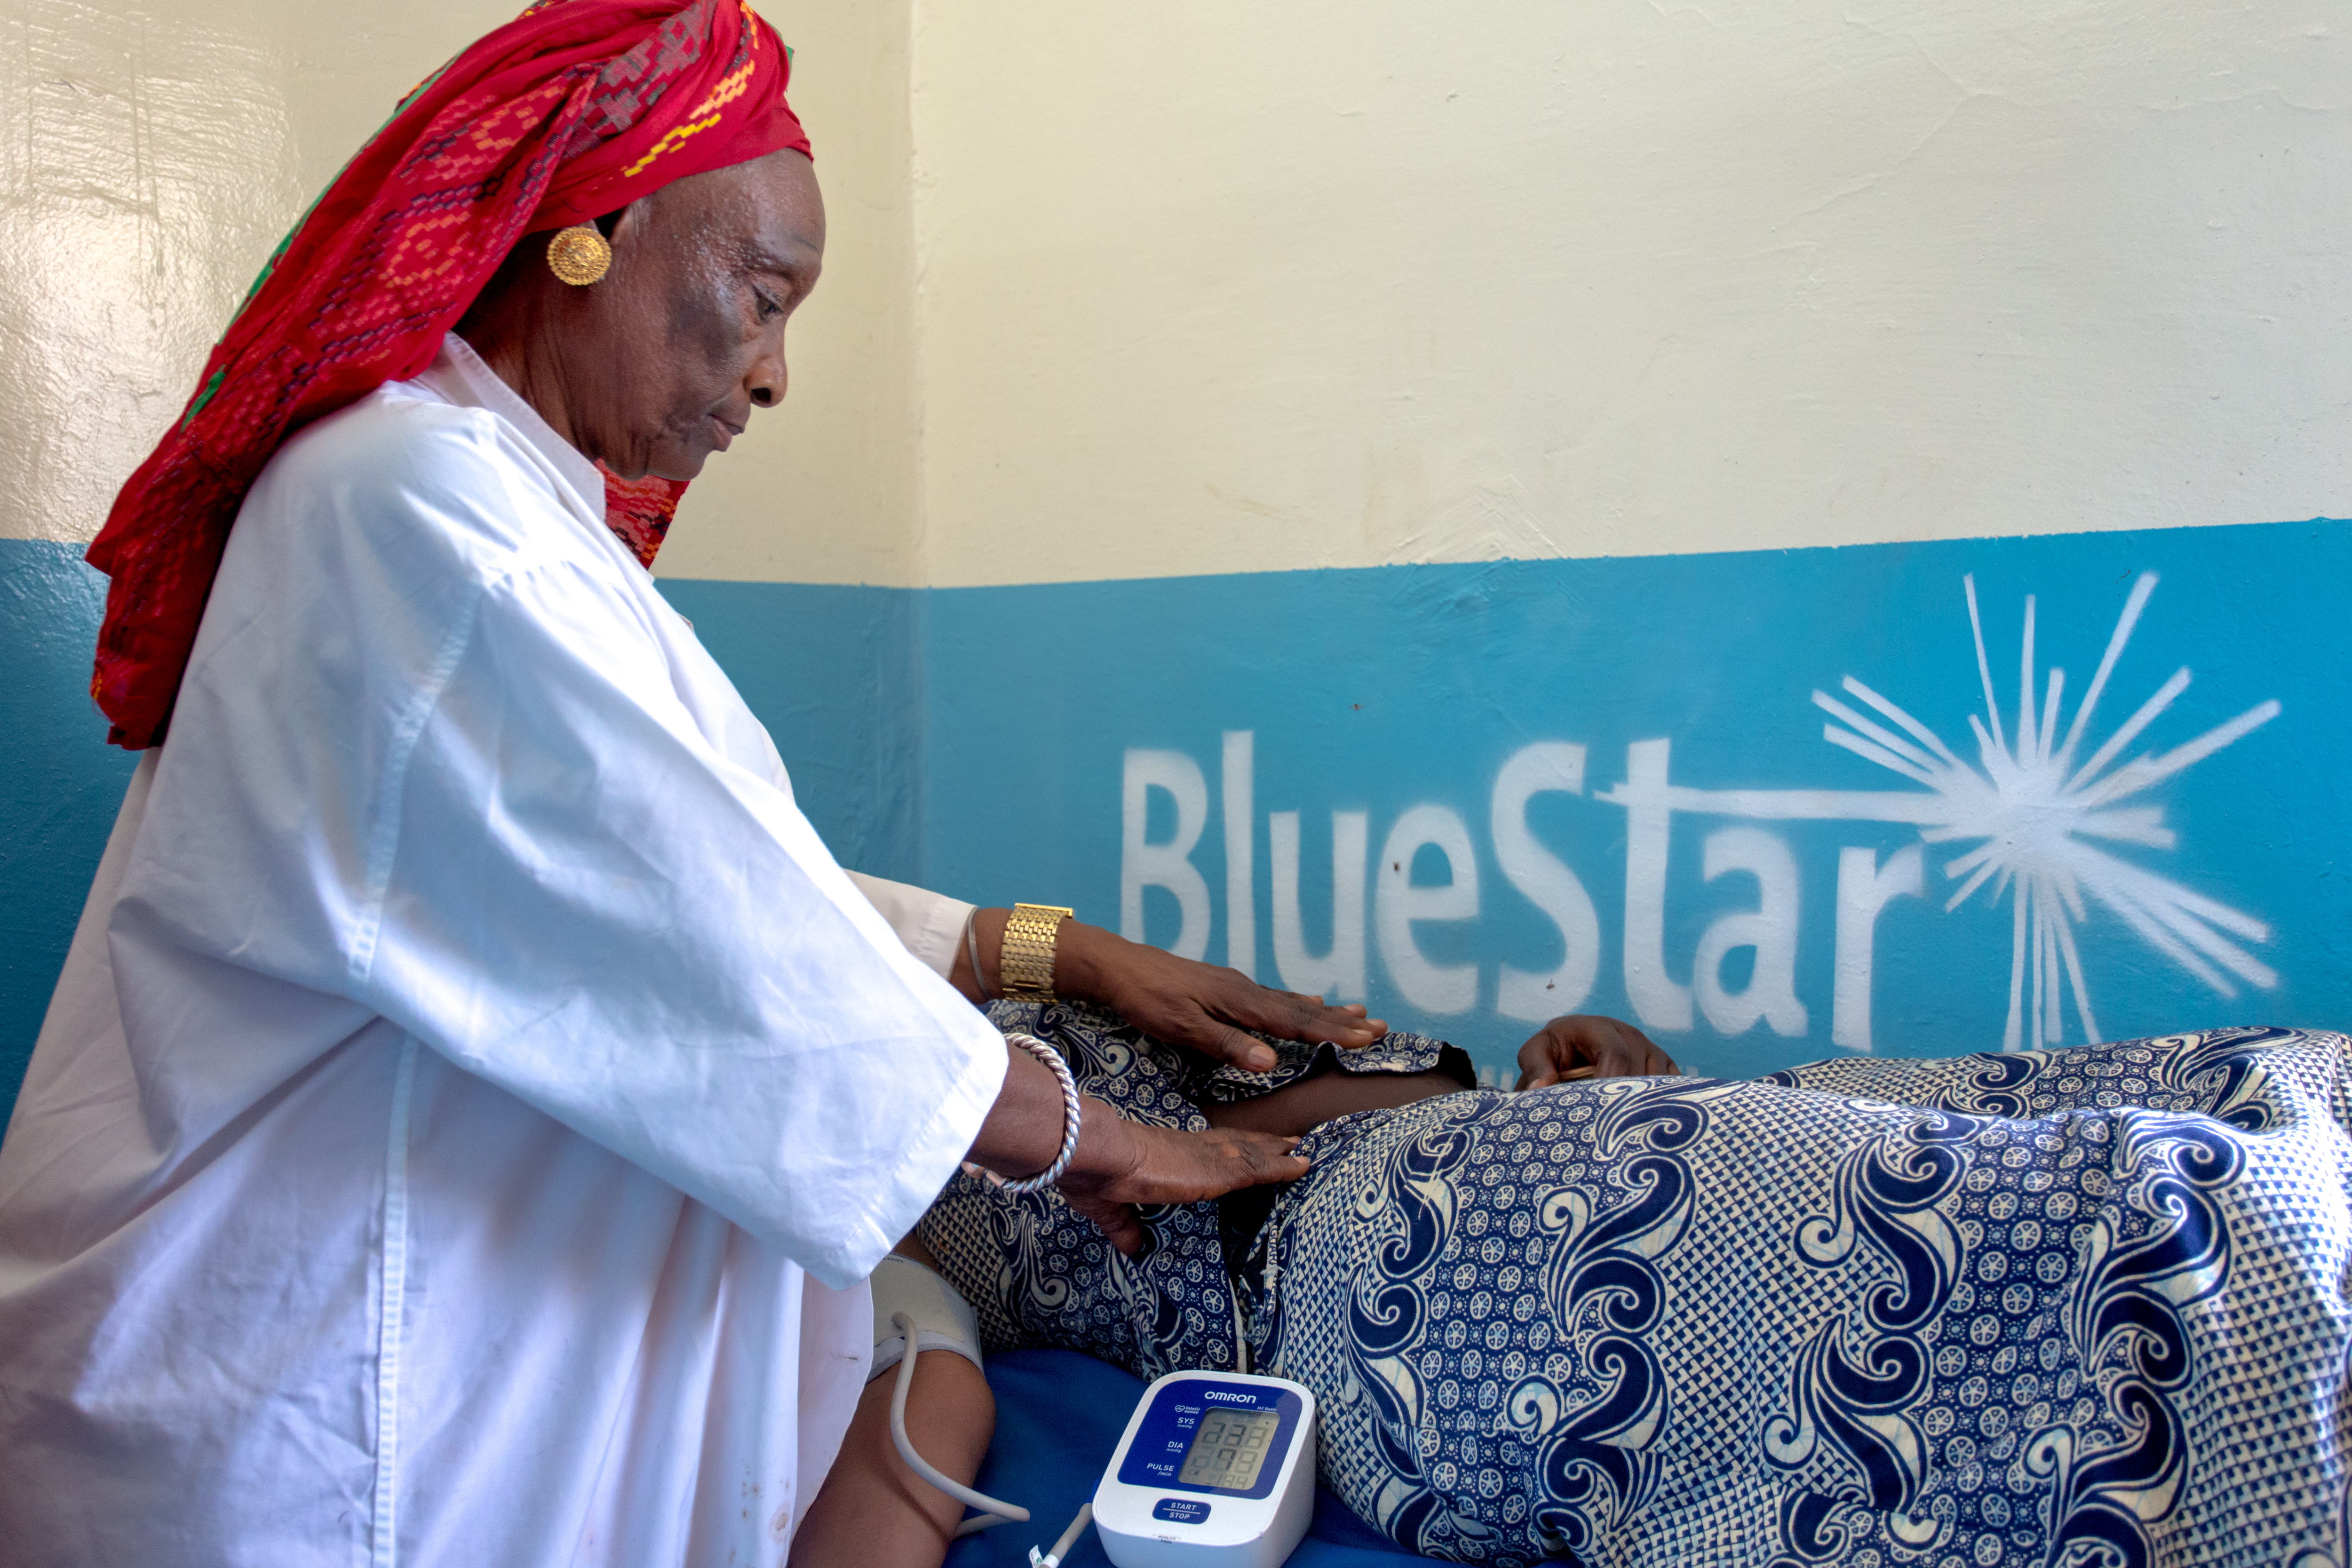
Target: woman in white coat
475	1098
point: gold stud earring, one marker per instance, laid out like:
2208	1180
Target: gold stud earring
579	254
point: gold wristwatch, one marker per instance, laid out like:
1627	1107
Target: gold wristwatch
1025	964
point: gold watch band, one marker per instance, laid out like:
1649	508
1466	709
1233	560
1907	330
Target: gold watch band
1025	964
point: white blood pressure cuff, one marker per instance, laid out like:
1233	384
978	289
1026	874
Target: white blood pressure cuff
943	1320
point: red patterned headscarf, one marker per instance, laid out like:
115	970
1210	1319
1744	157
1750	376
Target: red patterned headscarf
575	109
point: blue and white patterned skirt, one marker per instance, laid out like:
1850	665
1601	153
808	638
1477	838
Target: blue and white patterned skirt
2061	1308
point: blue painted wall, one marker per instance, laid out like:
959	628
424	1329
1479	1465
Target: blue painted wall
2219	893
59	785
1062	741
834	672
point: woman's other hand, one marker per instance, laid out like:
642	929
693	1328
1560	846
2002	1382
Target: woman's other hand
1140	1164
1119	1163
1204	1005
1180	1000
1589	1046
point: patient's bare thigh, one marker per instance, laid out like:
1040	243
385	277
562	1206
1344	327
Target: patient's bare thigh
1309	1102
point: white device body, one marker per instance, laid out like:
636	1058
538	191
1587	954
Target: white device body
1149	1516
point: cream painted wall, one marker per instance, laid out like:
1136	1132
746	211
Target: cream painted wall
151	157
147	164
1226	287
1120	291
825	490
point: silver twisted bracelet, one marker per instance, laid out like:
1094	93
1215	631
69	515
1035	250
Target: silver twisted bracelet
972	946
1071	1113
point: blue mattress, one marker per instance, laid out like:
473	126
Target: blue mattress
1058	1416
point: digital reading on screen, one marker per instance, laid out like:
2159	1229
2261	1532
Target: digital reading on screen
1216	1469
1229	1449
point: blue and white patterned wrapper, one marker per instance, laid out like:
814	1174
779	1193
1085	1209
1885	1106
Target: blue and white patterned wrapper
2079	1307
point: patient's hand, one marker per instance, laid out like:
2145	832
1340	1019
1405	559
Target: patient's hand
1589	1046
1202	1006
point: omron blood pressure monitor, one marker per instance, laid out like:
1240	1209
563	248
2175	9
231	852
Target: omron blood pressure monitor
1216	1468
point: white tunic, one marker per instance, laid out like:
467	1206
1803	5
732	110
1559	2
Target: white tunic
475	1098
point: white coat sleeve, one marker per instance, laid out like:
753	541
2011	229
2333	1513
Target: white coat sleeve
585	903
930	924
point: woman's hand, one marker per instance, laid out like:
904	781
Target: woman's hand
1141	1164
1119	1162
1202	1006
1179	1000
1589	1046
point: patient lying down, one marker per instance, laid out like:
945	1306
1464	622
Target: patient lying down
2052	1307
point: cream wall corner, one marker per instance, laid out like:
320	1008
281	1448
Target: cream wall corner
150	162
828	490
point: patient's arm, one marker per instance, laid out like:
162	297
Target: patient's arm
1563	1050
1295	1108
872	1509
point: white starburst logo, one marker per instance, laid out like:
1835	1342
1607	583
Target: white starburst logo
2041	823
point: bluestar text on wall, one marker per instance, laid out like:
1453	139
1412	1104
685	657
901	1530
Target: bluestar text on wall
2012	794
